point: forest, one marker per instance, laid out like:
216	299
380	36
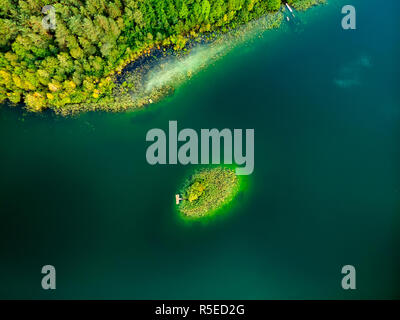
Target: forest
74	61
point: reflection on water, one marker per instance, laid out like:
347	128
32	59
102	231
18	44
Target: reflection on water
350	75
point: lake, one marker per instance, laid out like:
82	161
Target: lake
77	192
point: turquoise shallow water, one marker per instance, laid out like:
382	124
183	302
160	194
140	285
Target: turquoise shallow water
77	193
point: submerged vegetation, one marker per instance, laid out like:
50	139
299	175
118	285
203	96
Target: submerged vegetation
208	190
77	66
304	4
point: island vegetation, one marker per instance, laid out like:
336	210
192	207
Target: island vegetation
77	62
207	190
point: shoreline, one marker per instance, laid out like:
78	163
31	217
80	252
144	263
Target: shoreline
150	57
129	75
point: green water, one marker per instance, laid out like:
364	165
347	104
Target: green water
77	193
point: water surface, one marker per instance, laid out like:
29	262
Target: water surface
78	194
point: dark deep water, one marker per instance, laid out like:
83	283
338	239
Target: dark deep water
77	193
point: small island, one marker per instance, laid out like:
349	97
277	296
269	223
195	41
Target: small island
206	191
